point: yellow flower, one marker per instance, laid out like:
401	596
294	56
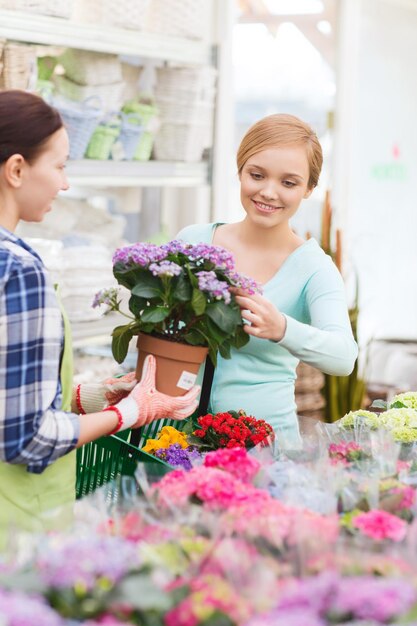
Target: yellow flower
166	437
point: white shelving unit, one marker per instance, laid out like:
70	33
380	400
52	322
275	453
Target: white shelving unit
103	174
40	29
189	185
59	32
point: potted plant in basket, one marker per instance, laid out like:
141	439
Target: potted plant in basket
179	296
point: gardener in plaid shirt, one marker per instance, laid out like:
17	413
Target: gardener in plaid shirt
42	418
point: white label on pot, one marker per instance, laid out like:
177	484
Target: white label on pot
186	380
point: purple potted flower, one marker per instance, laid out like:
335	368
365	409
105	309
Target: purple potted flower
180	293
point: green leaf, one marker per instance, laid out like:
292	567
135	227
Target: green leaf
154	314
198	302
148	286
136	305
182	289
223	316
224	350
195	338
214	331
121	337
398	405
240	338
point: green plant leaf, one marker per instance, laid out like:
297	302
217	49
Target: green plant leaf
182	289
398	405
195	338
121	337
136	305
198	302
240	338
154	314
224	350
148	286
223	316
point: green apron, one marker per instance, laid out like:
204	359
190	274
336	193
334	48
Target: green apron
41	502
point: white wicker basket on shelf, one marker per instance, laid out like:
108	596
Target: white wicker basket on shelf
179	18
191	83
183	112
130	77
121	14
56	8
111	95
91	68
181	142
19	66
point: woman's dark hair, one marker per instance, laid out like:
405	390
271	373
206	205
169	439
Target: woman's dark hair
26	123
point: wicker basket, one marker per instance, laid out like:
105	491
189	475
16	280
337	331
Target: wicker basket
129	14
110	95
19	66
308	384
91	68
186	83
182	112
180	18
130	78
81	120
181	142
57	8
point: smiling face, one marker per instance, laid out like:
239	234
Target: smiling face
273	183
42	179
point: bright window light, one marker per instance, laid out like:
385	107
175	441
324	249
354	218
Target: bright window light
294	7
324	27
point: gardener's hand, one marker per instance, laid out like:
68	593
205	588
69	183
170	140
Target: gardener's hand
94	397
265	320
145	404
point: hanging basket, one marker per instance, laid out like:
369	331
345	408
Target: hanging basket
177	364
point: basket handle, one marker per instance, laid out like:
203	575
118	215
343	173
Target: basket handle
127	117
90	102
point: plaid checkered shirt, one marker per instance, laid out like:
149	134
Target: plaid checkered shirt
34	431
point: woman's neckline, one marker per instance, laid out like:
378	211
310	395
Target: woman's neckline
286	260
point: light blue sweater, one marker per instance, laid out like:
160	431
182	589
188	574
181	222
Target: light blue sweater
259	378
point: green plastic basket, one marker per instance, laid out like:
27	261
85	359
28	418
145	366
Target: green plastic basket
102	141
105	459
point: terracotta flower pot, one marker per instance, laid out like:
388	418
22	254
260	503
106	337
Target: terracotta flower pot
177	364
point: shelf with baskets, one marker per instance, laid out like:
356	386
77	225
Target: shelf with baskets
105	174
55	31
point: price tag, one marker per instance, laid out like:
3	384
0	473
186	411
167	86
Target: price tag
186	380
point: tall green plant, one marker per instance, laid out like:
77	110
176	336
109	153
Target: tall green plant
341	393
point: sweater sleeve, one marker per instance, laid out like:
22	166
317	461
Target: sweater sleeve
327	342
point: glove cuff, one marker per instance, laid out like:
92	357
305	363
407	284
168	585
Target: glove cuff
90	398
127	412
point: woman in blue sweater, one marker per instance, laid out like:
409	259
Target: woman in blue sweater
302	314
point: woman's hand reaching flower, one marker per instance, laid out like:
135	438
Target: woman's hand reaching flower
265	320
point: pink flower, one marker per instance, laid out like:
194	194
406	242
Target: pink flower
236	461
380	525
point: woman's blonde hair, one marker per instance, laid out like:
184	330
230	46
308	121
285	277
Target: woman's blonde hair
279	130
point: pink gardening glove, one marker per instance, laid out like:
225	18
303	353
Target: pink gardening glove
145	404
94	397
